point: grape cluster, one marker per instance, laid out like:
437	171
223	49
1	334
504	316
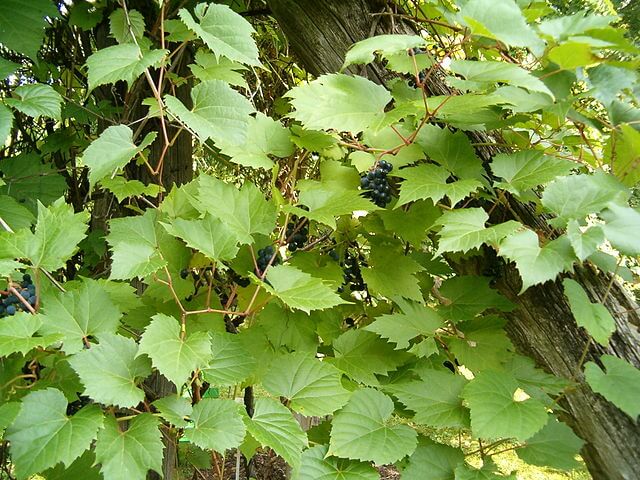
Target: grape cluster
10	303
264	257
376	184
352	275
297	238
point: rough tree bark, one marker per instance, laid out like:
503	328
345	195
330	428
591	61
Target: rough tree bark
542	326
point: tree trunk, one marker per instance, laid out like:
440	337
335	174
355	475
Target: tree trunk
542	326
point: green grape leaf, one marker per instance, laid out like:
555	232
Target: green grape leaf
134	246
300	290
391	274
328	201
464	229
273	425
109	371
561	28
14	213
121	25
412	224
265	136
224	31
555	446
318	465
361	430
8	413
469	296
209	235
132	453
124	189
498	411
527	169
620	384
219	112
174	409
501	21
490	72
292	329
621	151
112	150
433	461
36	100
435	399
78	314
399	328
537	264
7	68
362	355
121	62
232	362
217	425
452	150
16	334
571	55
23	25
245	211
174	355
6	123
338	102
57	234
487	472
622	228
594	317
427	181
364	51
313	387
42	435
208	67
83	468
484	343
586	242
576	196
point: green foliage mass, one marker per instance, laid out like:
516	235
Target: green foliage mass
271	268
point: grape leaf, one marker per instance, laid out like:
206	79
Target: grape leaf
209	235
313	387
468	296
42	435
6	123
112	150
620	384
134	246
78	314
415	320
527	169
121	25
130	454
36	100
217	425
232	363
318	465
224	31
219	112
483	343
210	67
300	290
23	25
109	371
487	71
391	274
124	189
576	196
427	181
584	243
16	334
174	409
435	399
622	228
245	211
537	264
594	317
273	425
338	102
433	461
497	412
555	446
82	468
364	50
361	355
121	62
173	354
464	229
361	430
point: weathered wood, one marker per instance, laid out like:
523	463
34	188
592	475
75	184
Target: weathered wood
542	326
